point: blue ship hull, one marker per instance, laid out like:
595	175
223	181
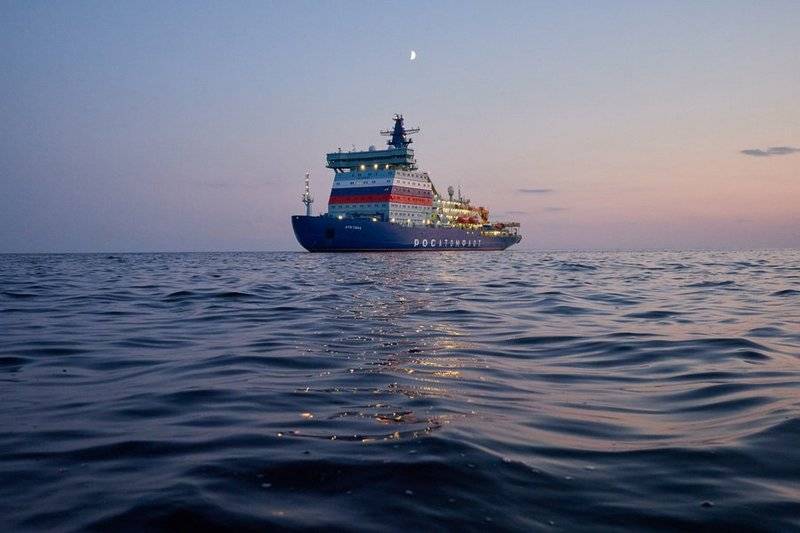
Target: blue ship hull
330	234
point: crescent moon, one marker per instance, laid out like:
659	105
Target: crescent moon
413	55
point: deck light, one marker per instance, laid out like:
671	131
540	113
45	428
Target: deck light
362	167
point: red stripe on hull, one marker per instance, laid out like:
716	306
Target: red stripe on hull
368	198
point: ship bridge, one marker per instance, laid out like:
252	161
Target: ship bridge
397	156
402	158
381	184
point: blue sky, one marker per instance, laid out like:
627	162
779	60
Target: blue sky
188	126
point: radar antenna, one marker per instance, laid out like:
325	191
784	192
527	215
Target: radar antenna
398	133
307	198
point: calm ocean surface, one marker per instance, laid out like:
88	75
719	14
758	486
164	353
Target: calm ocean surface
462	391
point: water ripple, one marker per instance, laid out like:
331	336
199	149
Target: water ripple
511	391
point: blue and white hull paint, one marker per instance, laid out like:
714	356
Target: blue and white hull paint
326	233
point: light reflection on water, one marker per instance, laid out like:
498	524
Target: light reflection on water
582	389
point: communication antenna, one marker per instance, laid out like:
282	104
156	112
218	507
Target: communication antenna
307	198
398	133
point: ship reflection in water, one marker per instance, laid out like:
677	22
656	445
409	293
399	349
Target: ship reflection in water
513	390
401	364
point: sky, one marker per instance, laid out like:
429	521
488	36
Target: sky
188	126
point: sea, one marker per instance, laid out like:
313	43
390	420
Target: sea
439	391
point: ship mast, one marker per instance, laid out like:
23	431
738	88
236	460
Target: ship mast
398	133
307	198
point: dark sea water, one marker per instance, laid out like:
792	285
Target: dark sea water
439	391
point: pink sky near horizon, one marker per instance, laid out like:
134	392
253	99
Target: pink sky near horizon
178	127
